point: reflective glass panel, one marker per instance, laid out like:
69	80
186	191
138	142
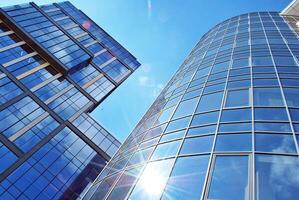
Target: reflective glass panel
276	177
229	178
187	178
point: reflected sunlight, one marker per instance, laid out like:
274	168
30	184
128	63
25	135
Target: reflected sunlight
152	181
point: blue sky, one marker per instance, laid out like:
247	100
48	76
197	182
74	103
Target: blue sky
160	34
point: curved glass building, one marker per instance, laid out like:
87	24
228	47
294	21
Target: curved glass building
226	126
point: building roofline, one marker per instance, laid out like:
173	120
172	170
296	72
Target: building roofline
291	9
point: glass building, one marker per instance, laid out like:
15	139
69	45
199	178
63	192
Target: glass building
225	127
56	66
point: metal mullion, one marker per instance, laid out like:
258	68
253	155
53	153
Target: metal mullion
252	161
210	166
280	85
28	154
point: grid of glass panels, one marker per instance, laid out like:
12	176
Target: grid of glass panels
226	125
48	35
37	101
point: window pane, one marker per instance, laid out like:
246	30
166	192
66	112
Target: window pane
197	145
276	177
185	108
171	136
262	61
187	178
202	130
152	181
236	115
270	114
234	142
230	178
294	114
278	143
210	102
267	97
124	184
237	127
178	124
277	127
237	98
166	150
291	95
206	118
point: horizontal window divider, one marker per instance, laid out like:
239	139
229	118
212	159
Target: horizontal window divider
12	46
19	59
80	35
59	94
28	127
100	52
45	82
61	18
107	63
31	71
85	86
6	33
91	43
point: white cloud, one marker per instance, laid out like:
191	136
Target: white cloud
143	80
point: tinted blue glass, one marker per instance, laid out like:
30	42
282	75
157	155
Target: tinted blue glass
166	150
236	127
276	177
237	98
229	179
197	145
206	118
187	178
178	124
278	143
294	114
236	115
202	130
210	102
267	97
234	142
270	114
277	127
291	95
185	108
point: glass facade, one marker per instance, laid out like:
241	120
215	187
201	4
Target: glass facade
225	127
54	70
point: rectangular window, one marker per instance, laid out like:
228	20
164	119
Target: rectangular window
276	177
197	145
210	102
187	178
235	98
230	178
234	142
267	97
278	143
